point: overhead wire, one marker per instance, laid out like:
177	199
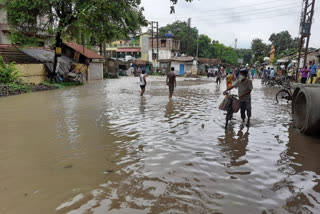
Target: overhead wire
242	6
245	13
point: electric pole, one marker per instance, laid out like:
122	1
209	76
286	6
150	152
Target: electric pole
157	41
305	30
155	25
152	41
188	37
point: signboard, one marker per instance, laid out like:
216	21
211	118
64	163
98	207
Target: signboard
76	56
58	50
240	61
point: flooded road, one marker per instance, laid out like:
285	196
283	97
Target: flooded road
101	148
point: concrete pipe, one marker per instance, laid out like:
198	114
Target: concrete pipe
306	110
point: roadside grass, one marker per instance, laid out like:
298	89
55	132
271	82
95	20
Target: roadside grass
60	84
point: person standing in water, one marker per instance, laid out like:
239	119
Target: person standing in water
143	82
171	81
244	85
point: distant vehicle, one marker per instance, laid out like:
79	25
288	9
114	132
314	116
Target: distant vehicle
212	72
129	58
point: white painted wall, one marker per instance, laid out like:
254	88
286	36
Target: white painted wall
95	71
163	54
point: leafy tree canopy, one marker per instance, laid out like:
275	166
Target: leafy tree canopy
102	19
283	41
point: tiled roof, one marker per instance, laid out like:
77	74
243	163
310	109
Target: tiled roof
11	53
183	59
141	62
87	53
209	61
128	50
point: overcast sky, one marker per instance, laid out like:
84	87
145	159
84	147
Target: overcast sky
226	20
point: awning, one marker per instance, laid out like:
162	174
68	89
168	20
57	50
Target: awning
123	50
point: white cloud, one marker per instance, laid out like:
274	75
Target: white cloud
225	20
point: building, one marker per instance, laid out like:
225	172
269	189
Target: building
45	39
124	49
182	65
85	56
205	63
168	47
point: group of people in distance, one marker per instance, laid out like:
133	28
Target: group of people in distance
243	83
309	71
170	81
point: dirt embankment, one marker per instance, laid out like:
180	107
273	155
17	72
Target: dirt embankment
15	89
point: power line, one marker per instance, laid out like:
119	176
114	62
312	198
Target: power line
267	10
232	8
266	17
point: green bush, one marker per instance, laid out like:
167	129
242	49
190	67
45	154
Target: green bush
8	73
61	84
13	87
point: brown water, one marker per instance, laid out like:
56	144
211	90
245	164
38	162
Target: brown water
100	148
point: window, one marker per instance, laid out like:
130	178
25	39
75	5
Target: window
163	43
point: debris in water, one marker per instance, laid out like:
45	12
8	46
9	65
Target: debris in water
68	166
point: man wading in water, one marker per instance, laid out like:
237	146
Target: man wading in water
143	82
171	81
245	87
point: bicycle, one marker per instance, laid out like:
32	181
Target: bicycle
231	108
285	94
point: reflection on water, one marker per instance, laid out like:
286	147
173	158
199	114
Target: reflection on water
101	148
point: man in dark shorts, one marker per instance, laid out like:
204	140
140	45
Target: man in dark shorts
143	82
171	81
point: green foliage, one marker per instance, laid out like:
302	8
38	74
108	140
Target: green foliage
102	20
60	84
13	87
8	72
245	54
259	50
208	48
18	38
188	37
283	42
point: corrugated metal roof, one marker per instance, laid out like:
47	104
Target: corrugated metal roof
84	51
40	54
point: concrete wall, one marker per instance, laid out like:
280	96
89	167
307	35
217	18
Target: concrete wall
95	71
163	54
144	44
32	73
187	67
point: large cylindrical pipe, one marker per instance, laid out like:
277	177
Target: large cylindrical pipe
306	110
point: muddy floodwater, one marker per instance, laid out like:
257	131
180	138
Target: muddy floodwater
101	148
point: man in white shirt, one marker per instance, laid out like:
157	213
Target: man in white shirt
143	82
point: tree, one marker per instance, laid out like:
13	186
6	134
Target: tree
283	41
245	54
259	50
103	19
188	37
204	43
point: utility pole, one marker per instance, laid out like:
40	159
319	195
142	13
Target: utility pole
236	44
198	47
152	41
188	37
157	41
305	30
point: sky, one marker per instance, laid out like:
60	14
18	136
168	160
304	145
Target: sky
226	20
